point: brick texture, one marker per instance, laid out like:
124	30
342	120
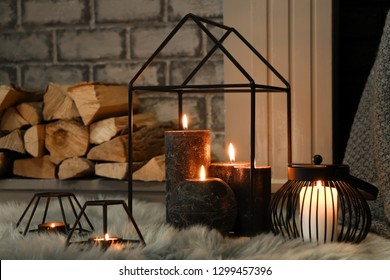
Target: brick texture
126	11
8	16
72	41
48	12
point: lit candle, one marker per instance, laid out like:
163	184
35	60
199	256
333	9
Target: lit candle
185	151
252	205
53	227
204	200
105	241
318	206
225	170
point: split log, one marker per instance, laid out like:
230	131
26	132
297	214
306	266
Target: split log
75	167
144	119
116	170
11	96
57	104
153	170
12	120
13	142
34	140
105	130
149	141
114	150
31	112
66	139
39	168
96	101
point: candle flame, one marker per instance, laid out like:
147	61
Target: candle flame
106	236
319	184
232	155
52	225
185	122
202	173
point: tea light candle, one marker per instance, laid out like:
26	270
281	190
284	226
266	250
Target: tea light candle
185	151
206	201
52	227
225	170
318	205
105	241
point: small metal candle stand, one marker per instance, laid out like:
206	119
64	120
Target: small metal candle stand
101	241
185	87
322	203
60	227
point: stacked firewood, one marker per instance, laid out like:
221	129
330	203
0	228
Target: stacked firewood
74	131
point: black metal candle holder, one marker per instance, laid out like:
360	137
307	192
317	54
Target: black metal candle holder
105	243
322	203
46	227
186	88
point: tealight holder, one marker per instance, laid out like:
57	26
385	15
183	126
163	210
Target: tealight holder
187	86
53	226
105	241
322	203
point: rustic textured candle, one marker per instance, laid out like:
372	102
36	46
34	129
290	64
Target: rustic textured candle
186	151
225	170
252	215
208	201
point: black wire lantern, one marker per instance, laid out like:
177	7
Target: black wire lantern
322	203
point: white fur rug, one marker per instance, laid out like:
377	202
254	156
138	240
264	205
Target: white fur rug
166	242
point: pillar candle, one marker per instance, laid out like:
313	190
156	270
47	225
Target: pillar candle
318	206
225	170
252	214
206	201
185	151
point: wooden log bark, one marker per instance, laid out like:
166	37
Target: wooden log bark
57	104
66	139
114	150
104	130
12	120
11	96
96	101
75	167
38	168
13	142
34	140
116	170
149	141
31	112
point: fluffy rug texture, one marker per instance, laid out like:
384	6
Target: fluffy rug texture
166	242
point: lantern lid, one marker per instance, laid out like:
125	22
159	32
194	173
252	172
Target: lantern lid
331	172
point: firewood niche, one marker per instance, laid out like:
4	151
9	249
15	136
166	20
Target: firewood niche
76	131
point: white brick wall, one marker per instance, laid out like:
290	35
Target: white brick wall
71	41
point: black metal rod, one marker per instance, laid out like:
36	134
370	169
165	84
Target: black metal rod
105	227
32	214
130	151
134	223
63	213
46	208
204	60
